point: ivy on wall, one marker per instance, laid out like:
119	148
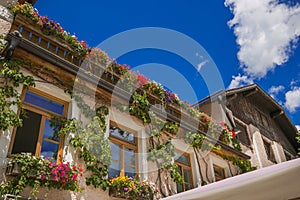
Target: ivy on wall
93	146
10	79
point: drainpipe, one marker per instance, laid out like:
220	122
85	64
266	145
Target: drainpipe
12	44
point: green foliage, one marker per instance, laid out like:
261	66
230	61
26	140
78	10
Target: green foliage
92	143
129	188
236	143
11	77
176	176
244	165
171	127
140	106
3	42
163	154
195	139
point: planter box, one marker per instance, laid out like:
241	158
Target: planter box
32	32
120	193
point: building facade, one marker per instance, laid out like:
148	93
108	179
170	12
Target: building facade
264	130
125	131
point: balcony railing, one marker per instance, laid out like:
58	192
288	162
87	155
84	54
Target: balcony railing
55	45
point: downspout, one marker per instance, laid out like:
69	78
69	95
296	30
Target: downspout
12	44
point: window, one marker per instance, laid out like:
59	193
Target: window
36	135
269	151
123	152
184	168
263	119
219	172
243	135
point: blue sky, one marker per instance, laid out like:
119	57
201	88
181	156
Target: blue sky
249	41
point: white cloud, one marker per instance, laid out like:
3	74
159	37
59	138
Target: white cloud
274	90
200	65
292	99
266	33
239	80
298	127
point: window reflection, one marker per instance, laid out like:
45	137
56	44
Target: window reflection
119	133
184	168
123	152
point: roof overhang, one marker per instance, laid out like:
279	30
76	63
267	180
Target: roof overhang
275	110
280	181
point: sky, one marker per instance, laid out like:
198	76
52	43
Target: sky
237	42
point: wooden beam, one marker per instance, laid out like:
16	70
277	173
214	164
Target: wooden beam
251	93
276	113
232	97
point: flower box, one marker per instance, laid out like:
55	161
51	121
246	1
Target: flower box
119	193
32	32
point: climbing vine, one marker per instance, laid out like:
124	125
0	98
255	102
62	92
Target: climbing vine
244	165
10	79
91	141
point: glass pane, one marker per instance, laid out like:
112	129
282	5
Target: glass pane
44	103
182	158
48	131
129	171
187	176
124	135
219	172
187	186
114	168
179	169
179	188
27	135
49	150
129	156
115	151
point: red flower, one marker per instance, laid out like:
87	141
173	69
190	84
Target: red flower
203	119
233	133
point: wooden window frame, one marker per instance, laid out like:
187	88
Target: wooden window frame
269	150
187	167
224	172
45	115
127	144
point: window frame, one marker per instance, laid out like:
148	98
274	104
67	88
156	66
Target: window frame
224	172
187	167
270	151
125	144
45	114
217	161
